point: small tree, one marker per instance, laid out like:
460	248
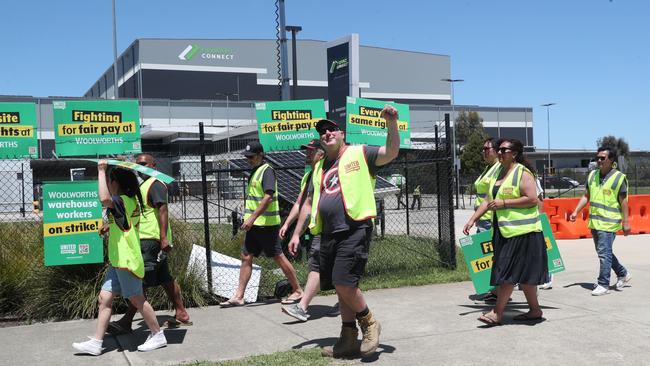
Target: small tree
466	124
621	146
471	159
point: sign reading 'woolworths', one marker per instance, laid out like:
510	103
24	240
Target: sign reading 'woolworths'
287	125
72	216
18	131
364	126
96	127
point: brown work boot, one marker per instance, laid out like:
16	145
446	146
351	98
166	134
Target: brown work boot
371	329
346	346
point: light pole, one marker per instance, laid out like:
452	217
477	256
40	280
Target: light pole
228	95
294	59
548	135
115	86
453	137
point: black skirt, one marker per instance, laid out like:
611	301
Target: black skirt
520	259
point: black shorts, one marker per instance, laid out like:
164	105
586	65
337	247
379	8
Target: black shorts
343	257
314	254
155	272
263	239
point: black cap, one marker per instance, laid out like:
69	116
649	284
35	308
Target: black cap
313	144
324	123
253	148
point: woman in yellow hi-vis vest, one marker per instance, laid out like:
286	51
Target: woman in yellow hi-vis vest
519	249
122	199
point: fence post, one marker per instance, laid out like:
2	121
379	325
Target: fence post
636	178
206	218
383	217
184	189
406	177
450	183
438	189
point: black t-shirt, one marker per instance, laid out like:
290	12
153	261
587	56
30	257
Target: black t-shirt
118	213
331	208
157	195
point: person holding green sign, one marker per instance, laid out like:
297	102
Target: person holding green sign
519	248
482	185
155	242
122	199
342	204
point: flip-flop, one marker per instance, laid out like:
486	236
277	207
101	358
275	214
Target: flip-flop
489	320
230	303
116	328
526	318
176	323
289	301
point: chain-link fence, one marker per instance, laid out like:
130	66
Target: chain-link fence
414	230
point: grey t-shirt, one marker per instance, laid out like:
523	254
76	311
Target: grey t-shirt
268	179
331	208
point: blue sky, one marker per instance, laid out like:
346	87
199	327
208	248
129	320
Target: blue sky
591	57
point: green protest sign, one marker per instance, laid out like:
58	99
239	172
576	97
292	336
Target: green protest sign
96	127
18	131
364	126
478	251
72	216
137	167
287	125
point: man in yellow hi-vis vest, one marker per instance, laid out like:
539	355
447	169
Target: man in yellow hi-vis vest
262	226
606	190
342	204
154	231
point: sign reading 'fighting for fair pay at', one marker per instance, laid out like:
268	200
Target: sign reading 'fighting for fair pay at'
96	127
287	125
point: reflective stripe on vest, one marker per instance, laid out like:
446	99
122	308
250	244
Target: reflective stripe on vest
514	221
124	245
357	188
149	220
482	185
604	208
255	194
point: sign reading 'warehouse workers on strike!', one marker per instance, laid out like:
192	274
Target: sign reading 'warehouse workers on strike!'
96	127
287	125
18	131
365	126
72	216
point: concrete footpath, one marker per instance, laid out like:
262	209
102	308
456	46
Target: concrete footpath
424	325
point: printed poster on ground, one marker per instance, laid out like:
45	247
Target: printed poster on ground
287	125
96	127
72	216
364	126
477	250
18	131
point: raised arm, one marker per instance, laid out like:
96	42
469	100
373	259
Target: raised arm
390	151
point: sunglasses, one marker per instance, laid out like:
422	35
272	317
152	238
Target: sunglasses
143	163
600	158
503	150
329	129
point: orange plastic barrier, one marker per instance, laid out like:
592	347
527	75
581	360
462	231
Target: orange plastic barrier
558	211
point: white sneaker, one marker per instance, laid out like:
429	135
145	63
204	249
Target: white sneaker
623	281
546	286
154	341
92	346
599	291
